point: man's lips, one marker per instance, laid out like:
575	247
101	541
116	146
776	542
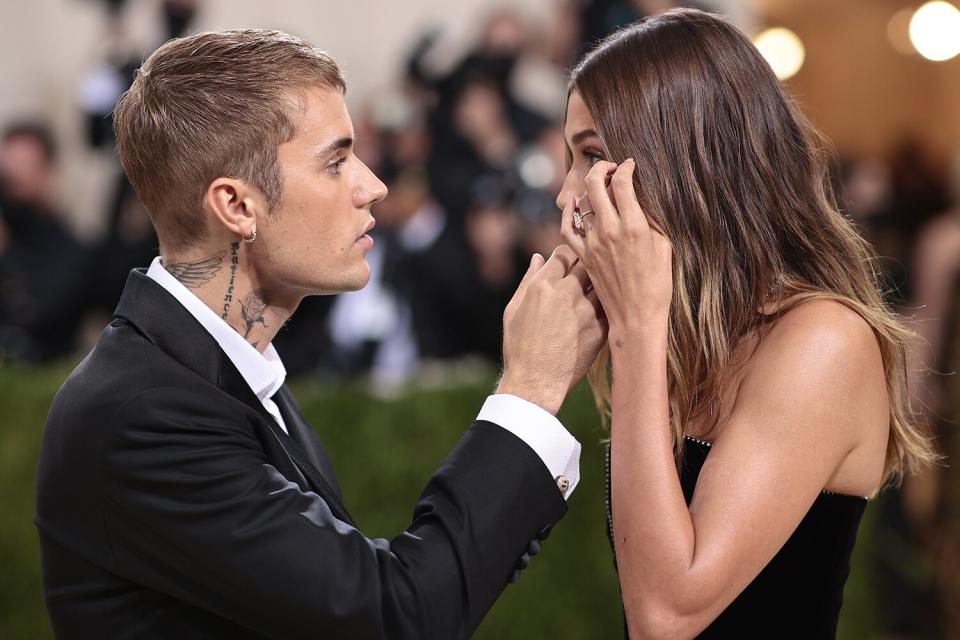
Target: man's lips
365	240
369	228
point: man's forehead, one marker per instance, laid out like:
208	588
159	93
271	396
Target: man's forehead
324	118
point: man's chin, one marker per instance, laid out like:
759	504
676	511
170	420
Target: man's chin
363	278
355	283
358	286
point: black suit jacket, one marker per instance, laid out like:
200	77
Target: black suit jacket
170	504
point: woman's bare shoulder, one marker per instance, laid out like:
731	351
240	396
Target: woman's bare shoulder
820	349
820	328
818	377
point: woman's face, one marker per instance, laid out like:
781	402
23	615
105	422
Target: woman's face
581	137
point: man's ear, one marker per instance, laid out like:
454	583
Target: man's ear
234	204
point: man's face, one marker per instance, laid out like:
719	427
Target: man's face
315	242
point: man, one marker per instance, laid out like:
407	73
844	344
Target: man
42	265
180	492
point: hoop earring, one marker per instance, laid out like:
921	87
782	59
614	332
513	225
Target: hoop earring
253	236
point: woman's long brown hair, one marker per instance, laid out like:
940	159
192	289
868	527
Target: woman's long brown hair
737	179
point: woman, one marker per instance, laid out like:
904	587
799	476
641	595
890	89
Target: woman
749	346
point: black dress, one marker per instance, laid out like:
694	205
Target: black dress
799	593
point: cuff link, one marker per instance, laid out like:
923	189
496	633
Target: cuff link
563	483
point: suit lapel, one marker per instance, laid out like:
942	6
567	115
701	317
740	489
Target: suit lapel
304	435
325	485
319	483
166	323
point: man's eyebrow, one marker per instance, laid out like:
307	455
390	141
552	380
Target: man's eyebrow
581	136
336	145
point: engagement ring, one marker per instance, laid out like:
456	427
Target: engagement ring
578	219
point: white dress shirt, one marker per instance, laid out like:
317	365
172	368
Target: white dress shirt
265	374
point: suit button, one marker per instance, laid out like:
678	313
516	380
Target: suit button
544	533
563	483
534	547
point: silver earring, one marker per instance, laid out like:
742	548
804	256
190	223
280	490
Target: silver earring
253	236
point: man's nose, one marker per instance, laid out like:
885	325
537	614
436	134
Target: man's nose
373	189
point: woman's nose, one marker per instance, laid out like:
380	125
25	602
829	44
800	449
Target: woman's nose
562	199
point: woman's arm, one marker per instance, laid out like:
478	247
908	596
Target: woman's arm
813	387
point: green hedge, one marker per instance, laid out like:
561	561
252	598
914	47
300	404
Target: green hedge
384	451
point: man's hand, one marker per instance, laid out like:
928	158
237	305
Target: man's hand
553	329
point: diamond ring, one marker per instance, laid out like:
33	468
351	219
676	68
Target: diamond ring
578	218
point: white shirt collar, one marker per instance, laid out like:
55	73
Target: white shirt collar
264	372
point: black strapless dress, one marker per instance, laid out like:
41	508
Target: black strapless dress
799	593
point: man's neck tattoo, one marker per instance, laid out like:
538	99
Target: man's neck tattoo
234	263
196	273
251	311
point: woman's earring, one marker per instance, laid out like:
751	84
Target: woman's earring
253	236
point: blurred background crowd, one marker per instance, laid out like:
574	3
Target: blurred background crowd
458	108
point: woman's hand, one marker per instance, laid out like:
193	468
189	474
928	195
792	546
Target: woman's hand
628	260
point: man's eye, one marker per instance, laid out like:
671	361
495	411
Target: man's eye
335	167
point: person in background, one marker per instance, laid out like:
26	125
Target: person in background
934	498
129	238
42	265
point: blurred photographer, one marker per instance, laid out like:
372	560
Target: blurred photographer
41	263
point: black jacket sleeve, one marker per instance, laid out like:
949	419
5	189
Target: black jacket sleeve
193	509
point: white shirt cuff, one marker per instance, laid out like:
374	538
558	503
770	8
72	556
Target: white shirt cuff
559	450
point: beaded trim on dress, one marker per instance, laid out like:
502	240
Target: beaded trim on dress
825	491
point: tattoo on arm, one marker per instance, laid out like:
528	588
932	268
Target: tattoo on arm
196	273
251	311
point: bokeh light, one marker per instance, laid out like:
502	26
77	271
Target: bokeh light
898	31
782	49
935	30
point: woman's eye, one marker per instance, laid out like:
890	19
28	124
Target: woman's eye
592	157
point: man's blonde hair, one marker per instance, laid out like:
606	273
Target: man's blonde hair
210	105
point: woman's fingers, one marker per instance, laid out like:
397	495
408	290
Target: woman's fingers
606	217
631	215
571	235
